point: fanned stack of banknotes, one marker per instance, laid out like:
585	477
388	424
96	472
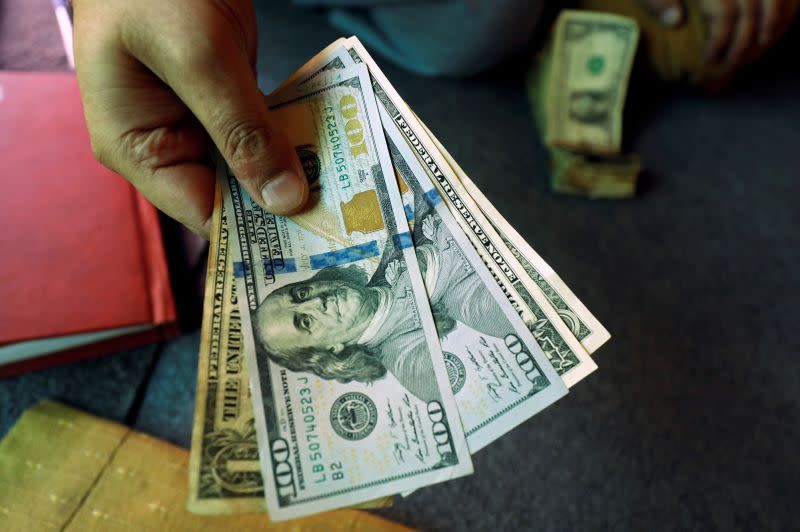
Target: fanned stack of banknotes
371	344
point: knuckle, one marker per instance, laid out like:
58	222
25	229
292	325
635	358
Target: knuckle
149	149
247	142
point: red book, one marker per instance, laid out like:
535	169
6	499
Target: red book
83	269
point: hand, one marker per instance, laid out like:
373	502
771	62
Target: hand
739	31
160	80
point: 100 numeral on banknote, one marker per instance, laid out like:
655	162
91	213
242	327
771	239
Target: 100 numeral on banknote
351	395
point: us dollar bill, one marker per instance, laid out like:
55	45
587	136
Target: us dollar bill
580	321
498	372
352	399
224	470
592	58
564	351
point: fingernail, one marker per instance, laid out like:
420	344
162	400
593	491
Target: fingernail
283	193
670	16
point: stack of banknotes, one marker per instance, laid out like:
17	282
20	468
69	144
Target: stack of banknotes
577	88
371	344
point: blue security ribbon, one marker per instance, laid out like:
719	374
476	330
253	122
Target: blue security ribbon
409	212
271	267
434	198
239	269
278	266
345	256
402	240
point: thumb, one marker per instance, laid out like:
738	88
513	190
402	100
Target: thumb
259	155
223	94
669	12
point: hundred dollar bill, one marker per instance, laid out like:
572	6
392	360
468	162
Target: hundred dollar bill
582	323
224	471
353	398
592	58
497	371
550	338
563	350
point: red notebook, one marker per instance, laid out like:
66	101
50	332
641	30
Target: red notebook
83	269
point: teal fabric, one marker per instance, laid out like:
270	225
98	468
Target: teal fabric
437	37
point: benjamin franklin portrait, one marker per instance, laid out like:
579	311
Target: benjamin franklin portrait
340	324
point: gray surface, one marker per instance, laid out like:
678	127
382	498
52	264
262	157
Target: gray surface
692	419
106	386
167	407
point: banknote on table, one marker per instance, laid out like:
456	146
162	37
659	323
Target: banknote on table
592	59
584	173
224	471
497	370
564	351
594	176
582	323
352	395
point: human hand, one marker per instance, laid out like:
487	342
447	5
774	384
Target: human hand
739	31
160	80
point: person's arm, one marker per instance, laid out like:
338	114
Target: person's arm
160	80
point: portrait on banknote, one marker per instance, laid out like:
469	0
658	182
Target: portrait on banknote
590	106
340	324
456	293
